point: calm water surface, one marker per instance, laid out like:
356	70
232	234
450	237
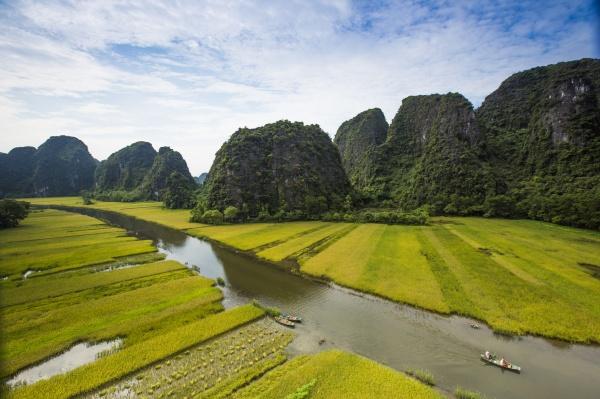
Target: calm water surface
76	356
396	335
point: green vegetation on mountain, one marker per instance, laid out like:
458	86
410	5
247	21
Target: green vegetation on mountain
60	166
16	171
356	139
165	164
530	150
285	167
431	155
63	166
125	169
542	129
137	172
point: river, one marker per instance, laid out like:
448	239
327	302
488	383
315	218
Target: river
393	334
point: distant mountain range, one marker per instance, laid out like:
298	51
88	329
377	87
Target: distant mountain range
532	149
63	166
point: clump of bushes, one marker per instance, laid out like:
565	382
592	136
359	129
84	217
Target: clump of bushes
12	212
422	375
271	311
232	214
119	196
460	393
417	217
303	391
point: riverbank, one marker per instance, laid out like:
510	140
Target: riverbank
520	277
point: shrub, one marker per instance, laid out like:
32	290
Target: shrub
198	211
499	206
12	212
231	213
303	391
212	216
460	393
422	375
86	196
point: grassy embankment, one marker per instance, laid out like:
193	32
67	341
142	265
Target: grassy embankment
519	276
80	294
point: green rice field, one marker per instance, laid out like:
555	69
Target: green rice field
94	283
519	276
176	338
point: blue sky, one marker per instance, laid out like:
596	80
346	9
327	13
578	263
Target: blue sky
187	74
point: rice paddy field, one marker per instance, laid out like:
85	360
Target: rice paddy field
213	369
174	338
519	276
71	278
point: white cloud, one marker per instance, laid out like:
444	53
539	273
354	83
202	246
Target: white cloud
188	73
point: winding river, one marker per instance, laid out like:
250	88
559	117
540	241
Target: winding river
393	334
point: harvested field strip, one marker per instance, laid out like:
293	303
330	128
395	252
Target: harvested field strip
36	289
32	335
389	265
213	369
299	243
454	294
336	374
398	269
352	252
247	238
135	357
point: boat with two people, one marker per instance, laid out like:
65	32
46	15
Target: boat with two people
491	358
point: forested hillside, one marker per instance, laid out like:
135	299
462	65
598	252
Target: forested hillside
531	150
280	167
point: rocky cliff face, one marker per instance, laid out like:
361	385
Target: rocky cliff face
165	163
532	149
431	151
126	168
356	139
283	166
545	121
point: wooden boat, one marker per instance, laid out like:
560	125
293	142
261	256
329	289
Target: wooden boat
284	322
496	362
475	326
293	318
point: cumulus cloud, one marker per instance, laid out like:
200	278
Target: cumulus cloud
189	73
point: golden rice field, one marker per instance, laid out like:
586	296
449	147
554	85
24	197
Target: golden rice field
336	374
519	276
